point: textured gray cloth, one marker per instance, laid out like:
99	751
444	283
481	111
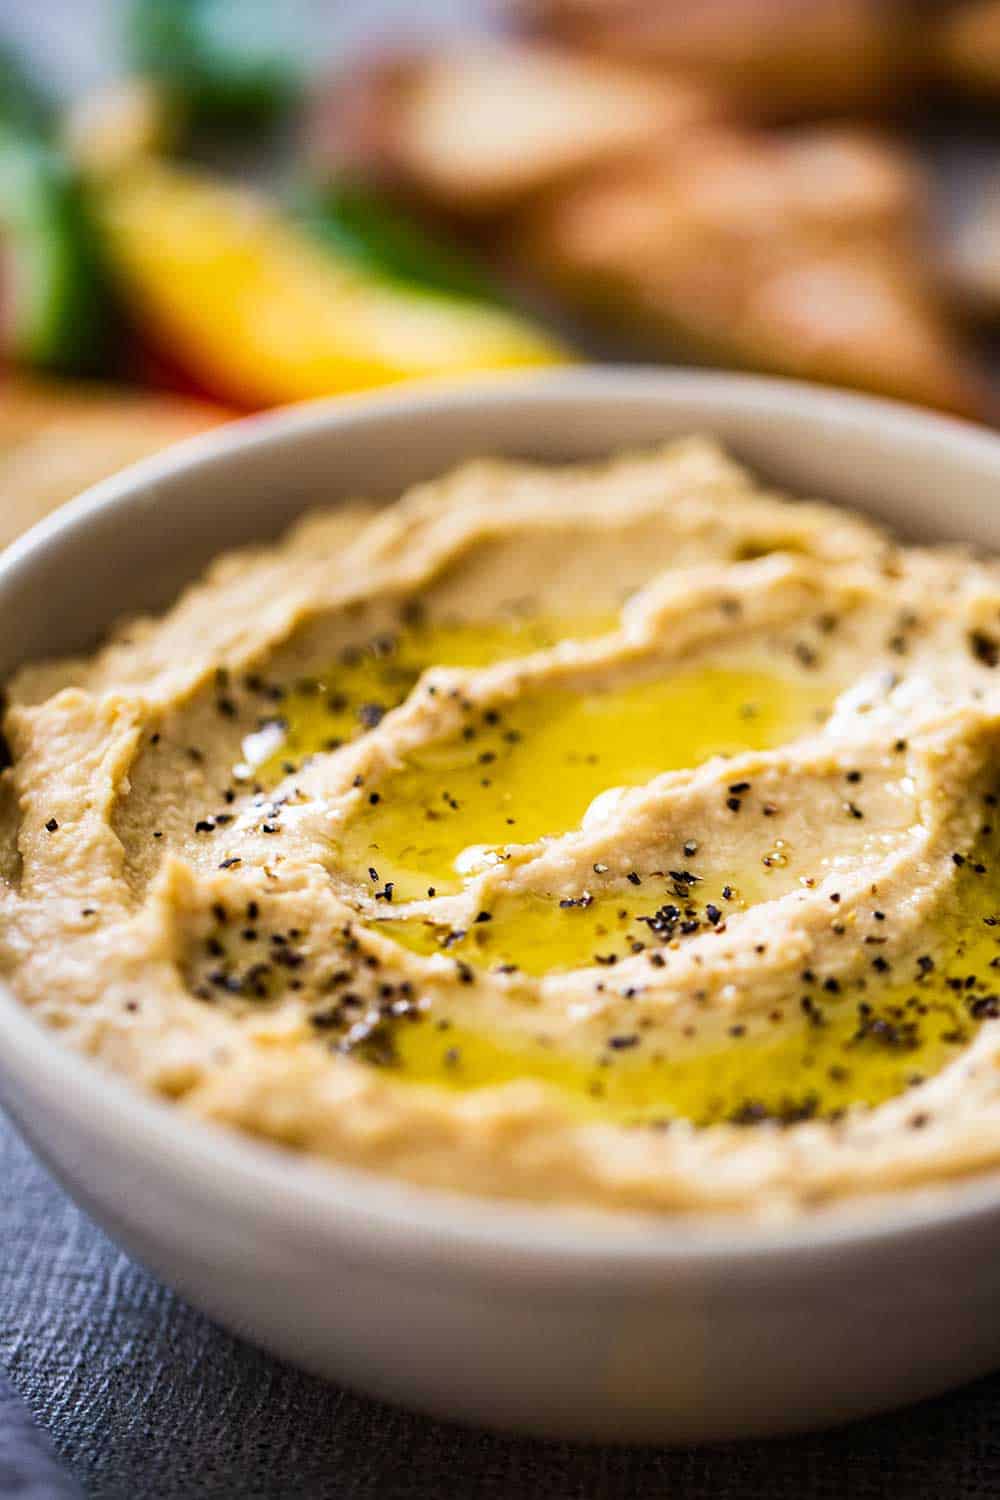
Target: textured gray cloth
144	1397
28	1467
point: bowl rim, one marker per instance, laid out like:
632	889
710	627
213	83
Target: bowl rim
373	1213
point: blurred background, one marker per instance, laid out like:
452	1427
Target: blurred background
209	207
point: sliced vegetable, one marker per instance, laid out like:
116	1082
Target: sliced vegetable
259	313
22	102
227	61
363	226
52	297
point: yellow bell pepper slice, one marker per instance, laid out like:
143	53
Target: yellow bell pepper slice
259	314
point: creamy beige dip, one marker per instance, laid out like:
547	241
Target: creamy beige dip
619	835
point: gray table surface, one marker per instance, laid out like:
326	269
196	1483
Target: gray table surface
142	1396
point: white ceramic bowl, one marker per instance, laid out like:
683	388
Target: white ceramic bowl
517	1317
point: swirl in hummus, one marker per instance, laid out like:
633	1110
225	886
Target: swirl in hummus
622	835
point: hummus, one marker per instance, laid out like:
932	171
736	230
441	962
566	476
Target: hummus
621	835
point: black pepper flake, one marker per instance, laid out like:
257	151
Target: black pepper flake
897	1036
633	878
52	825
288	958
204	825
371	714
327	1020
374	798
985	648
229	864
622	1043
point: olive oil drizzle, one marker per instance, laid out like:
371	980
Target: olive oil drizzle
836	1045
321	713
522	770
529	769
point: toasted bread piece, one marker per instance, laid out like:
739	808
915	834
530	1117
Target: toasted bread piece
965	47
779	59
799	254
481	129
57	439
